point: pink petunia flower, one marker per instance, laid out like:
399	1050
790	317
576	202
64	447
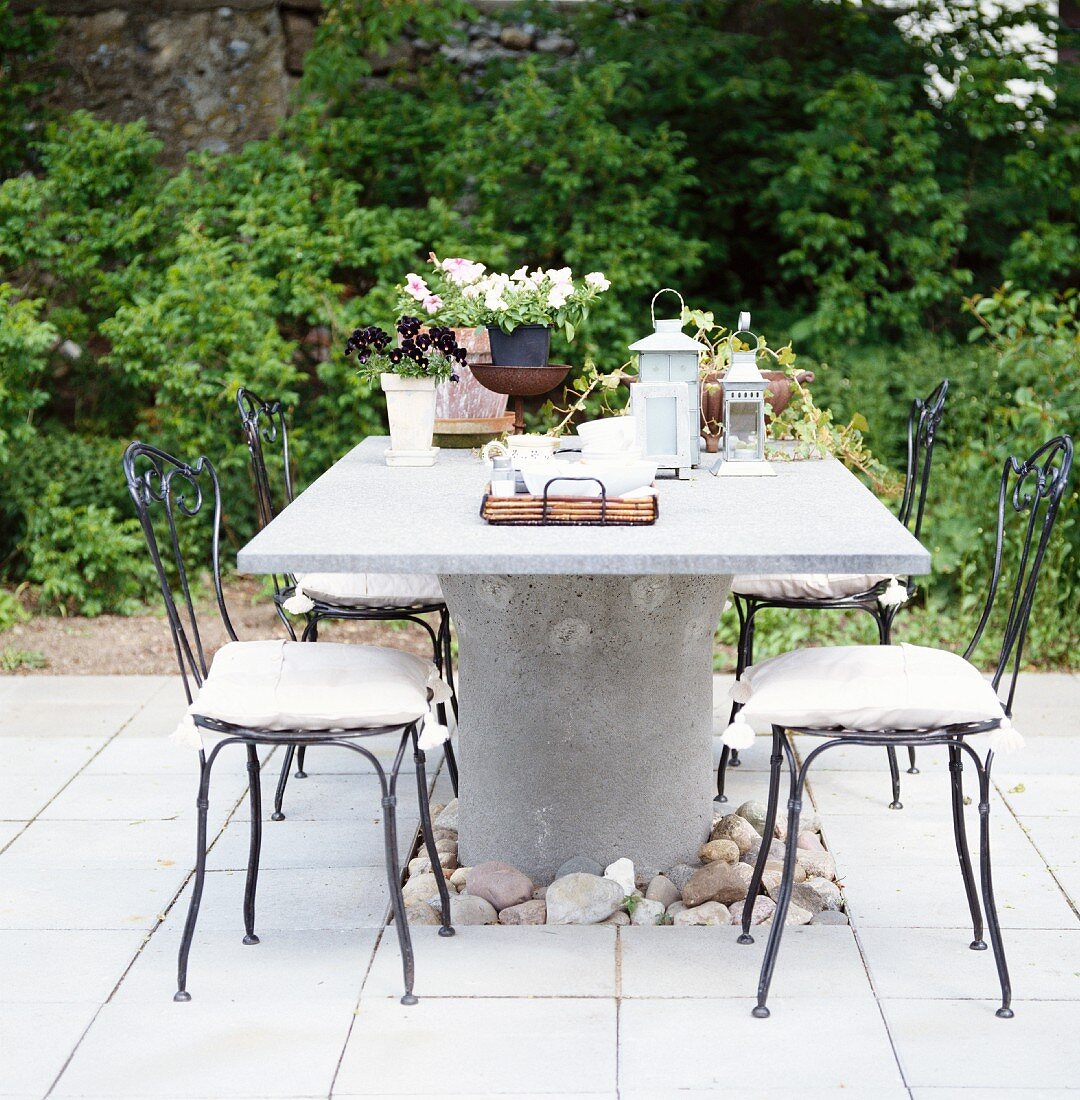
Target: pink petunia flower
433	303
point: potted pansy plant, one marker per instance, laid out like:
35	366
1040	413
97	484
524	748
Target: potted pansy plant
408	372
518	310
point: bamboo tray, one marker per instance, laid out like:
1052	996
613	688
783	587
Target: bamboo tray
525	510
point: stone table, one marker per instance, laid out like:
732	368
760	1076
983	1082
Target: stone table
585	668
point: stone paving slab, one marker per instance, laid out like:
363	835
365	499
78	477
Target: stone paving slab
92	903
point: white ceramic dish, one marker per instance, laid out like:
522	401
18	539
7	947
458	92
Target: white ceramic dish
612	433
617	477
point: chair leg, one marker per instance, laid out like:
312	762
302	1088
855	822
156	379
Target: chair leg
443	661
451	764
301	752
894	774
956	775
912	770
429	840
202	804
766	837
730	757
448	660
884	625
283	779
255	846
787	882
747	661
393	875
992	924
721	774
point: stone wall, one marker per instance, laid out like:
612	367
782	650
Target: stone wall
208	75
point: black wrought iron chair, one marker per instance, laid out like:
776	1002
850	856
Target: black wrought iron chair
338	595
845	592
1032	488
179	493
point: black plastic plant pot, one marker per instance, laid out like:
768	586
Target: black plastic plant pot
526	346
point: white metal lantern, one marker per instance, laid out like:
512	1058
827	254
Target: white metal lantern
669	355
744	386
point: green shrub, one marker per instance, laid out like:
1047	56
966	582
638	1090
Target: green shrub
88	560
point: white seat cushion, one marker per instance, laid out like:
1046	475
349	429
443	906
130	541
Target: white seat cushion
865	687
806	586
372	589
280	685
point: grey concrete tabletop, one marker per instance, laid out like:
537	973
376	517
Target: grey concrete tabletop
363	516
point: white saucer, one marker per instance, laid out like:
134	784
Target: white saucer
410	458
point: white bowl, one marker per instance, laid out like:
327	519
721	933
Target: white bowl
617	477
612	433
590	456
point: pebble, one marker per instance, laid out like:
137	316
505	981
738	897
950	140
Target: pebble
467	909
680	874
459	877
528	912
725	882
647	912
618	917
809	841
580	865
663	890
420	887
540	893
582	899
776	852
444	834
737	829
711	912
817	894
763	909
676	907
830	916
501	884
448	816
622	872
817	863
796	914
419	912
754	812
778	866
722	849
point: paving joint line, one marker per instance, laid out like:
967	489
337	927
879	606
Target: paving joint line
161	917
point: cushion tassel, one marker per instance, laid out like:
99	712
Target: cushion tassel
740	692
187	734
432	734
1006	738
739	735
895	595
299	603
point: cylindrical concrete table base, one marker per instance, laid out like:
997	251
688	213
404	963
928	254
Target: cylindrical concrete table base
586	717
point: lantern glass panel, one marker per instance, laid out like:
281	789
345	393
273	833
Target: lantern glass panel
662	426
743	443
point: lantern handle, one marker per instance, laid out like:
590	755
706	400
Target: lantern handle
744	328
665	290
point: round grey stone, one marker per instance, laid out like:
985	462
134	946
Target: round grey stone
830	916
580	865
582	899
528	912
500	884
647	912
754	812
467	909
663	890
711	912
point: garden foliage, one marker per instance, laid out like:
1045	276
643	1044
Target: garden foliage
851	172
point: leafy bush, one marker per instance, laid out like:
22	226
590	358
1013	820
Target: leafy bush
780	154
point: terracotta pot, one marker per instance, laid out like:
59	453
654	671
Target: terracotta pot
777	396
467	399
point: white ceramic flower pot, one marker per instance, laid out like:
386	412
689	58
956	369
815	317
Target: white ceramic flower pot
410	407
